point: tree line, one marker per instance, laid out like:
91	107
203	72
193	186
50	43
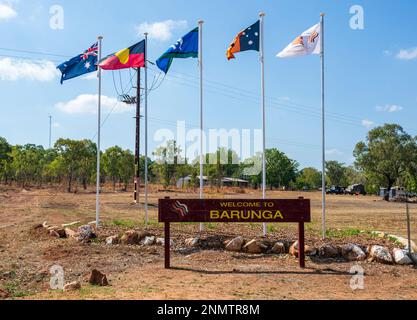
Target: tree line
388	157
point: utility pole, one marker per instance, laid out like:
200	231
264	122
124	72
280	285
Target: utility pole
50	132
137	143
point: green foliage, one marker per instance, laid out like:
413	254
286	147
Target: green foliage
124	223
118	165
309	178
79	158
388	154
27	163
336	173
281	171
343	233
5	159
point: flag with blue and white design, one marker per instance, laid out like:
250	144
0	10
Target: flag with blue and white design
81	64
186	47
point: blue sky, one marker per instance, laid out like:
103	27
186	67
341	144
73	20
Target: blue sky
370	74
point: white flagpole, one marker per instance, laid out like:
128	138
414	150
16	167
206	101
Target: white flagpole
146	132
200	63
323	125
262	58
100	39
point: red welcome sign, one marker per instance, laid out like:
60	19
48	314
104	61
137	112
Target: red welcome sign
234	211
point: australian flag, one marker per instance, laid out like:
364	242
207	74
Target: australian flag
81	64
186	47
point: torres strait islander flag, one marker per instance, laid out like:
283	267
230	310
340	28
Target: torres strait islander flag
132	57
186	47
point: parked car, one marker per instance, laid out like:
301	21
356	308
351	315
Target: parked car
356	190
337	190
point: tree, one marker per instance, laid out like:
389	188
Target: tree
309	178
336	173
112	162
221	164
127	168
281	171
387	154
5	159
168	159
78	158
27	163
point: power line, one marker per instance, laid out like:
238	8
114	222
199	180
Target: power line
35	52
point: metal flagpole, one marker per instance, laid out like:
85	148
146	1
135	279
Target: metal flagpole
137	142
323	124
262	58
146	130
200	63
100	39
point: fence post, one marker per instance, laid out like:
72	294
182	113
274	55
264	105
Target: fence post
301	245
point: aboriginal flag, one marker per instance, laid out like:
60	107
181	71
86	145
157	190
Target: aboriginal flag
248	39
132	57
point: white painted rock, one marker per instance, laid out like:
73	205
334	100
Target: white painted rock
235	245
85	233
161	242
404	242
112	240
278	248
309	251
73	286
381	254
70	233
192	242
401	257
352	252
149	241
328	251
255	247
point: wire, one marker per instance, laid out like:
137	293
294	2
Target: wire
35	52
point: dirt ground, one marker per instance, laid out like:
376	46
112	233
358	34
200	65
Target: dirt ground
26	255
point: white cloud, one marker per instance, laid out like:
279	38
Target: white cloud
87	104
407	54
90	76
162	30
389	108
6	11
334	152
56	125
368	123
18	69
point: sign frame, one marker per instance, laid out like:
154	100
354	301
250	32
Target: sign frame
235	211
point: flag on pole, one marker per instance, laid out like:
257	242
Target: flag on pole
81	64
248	39
252	38
306	44
312	42
132	57
186	47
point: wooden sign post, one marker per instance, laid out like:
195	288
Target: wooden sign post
234	211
